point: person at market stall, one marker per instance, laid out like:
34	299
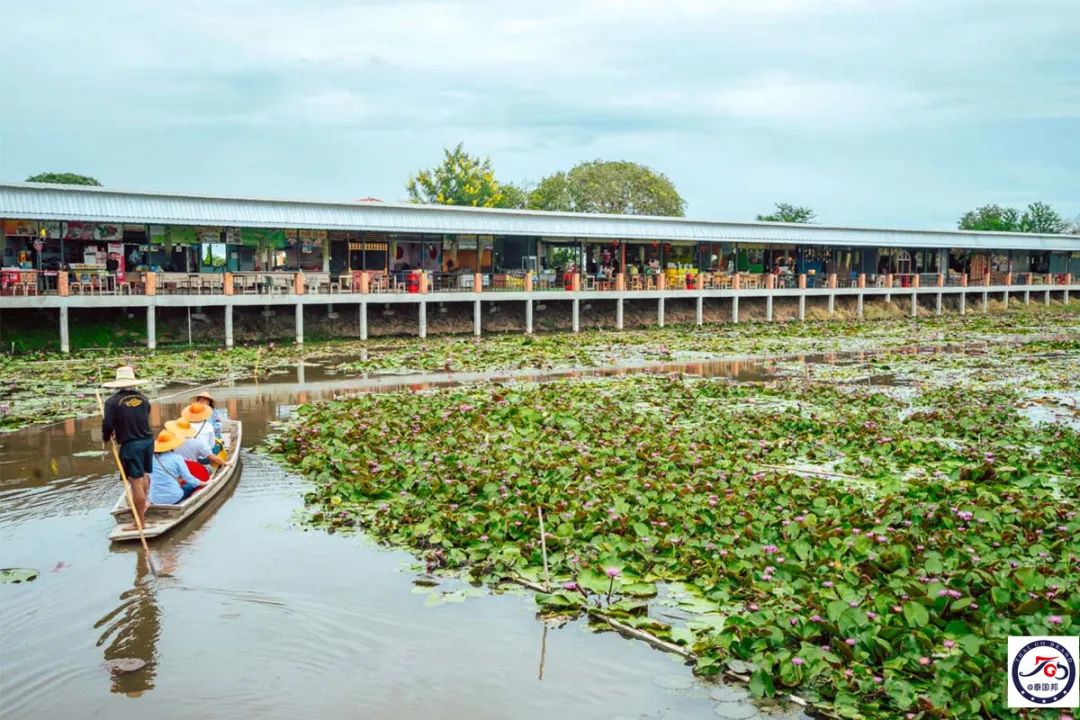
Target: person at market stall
170	480
127	420
199	447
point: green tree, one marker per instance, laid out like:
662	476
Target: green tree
514	196
64	178
990	218
1041	218
611	187
461	179
788	213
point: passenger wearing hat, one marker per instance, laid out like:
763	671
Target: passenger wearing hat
170	480
200	445
207	399
127	419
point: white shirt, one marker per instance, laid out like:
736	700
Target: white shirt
199	446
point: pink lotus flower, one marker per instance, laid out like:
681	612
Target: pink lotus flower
770	549
569	585
850	642
949	644
612	572
797	661
924	660
1055	620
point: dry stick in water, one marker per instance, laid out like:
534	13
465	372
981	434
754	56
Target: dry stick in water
127	489
543	550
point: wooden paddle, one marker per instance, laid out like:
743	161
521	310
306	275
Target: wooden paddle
127	488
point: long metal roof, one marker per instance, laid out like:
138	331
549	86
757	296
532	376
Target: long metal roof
40	201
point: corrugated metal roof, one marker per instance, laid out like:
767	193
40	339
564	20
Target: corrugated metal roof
38	201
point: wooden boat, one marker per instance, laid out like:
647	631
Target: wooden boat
160	519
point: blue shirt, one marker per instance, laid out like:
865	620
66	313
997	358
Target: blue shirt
164	488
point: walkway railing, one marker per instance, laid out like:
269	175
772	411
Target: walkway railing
25	283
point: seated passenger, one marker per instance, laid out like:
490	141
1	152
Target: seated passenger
215	419
170	480
199	445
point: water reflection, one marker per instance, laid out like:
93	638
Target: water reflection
132	629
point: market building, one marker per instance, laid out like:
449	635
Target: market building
74	246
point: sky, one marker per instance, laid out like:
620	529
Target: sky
889	113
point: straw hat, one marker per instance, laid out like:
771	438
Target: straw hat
166	441
180	428
125	377
196	412
204	394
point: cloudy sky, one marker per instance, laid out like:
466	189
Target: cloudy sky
874	112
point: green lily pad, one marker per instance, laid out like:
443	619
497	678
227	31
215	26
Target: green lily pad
17	575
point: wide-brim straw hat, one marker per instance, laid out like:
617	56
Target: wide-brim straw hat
125	377
180	428
196	412
166	441
204	394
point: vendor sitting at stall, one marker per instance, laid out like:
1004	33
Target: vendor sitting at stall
170	480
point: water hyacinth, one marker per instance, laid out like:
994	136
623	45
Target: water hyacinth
878	558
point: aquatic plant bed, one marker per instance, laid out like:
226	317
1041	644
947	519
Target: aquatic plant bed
45	387
869	552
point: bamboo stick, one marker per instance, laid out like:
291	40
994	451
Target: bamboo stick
543	550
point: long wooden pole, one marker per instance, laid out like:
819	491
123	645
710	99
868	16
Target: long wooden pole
127	488
543	549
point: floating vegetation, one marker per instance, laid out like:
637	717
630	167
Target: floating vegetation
17	575
813	534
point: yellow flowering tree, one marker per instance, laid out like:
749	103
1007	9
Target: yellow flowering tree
461	179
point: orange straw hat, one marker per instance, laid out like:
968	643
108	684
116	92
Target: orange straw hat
180	428
196	412
166	441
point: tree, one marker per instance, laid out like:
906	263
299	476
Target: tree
461	179
1038	217
787	213
514	196
64	178
1041	218
610	187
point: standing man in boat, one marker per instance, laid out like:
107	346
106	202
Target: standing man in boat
127	418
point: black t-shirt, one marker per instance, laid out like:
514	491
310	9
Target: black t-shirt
127	415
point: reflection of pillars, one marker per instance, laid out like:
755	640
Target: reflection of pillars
476	317
65	343
302	397
619	314
363	317
859	306
151	328
575	309
228	326
422	319
735	309
937	306
155	415
299	324
768	307
301	374
69	427
528	316
660	310
234	411
802	307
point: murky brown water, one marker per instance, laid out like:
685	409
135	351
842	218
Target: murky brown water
255	617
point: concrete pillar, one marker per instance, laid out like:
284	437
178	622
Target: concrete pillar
363	316
1027	297
529	316
938	304
660	311
888	286
699	315
963	303
575	306
735	309
151	328
1046	296
859	305
1005	298
832	304
802	307
299	324
986	302
768	308
915	303
228	326
476	317
422	319
619	314
65	343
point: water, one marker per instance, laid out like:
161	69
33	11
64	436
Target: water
255	617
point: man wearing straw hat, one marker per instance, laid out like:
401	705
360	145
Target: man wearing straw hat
127	418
